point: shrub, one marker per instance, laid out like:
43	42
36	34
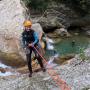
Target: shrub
40	5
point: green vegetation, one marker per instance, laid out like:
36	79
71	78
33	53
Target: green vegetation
82	54
40	5
80	6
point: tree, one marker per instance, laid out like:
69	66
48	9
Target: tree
40	5
80	6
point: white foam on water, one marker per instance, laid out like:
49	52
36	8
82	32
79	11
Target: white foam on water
3	66
56	55
6	74
50	47
50	62
50	40
49	44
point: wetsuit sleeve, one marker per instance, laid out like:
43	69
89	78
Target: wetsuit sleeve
36	38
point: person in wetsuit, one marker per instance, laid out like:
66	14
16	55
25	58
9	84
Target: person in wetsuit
30	40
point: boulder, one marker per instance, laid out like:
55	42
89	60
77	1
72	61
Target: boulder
10	24
62	32
61	16
64	59
57	16
2	70
37	27
12	14
12	59
49	24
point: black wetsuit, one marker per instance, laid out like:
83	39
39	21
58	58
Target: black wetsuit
27	38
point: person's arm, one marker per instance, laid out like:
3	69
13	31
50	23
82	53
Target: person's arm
36	38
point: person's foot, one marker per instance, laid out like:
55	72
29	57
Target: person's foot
30	74
43	69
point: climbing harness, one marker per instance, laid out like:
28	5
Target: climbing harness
61	83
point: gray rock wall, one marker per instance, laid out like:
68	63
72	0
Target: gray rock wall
58	16
11	18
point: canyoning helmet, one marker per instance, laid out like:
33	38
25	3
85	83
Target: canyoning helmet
27	23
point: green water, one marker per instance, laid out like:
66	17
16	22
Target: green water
65	46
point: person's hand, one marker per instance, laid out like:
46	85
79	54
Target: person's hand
31	45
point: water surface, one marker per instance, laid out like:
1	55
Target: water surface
72	45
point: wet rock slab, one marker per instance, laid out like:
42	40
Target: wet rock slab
76	74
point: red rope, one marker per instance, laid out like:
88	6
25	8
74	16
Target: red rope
61	83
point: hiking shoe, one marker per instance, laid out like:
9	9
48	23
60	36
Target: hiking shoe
30	75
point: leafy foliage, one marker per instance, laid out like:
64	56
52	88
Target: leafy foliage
80	6
40	5
82	54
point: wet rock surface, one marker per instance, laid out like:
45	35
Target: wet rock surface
23	82
76	74
12	59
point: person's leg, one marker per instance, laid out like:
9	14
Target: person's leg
41	63
39	59
29	61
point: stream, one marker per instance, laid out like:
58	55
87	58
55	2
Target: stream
71	45
4	70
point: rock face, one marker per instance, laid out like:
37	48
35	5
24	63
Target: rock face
37	27
11	13
62	32
75	74
58	16
11	18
